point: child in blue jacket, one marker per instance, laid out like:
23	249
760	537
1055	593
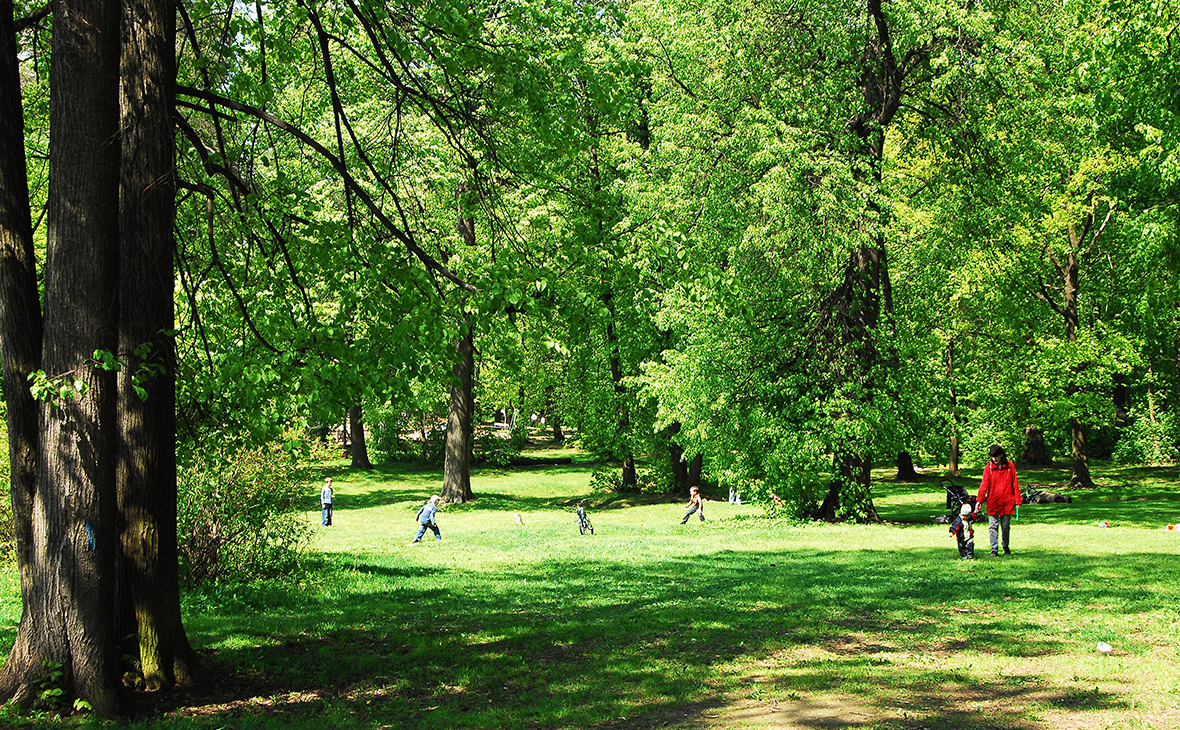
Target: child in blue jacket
425	519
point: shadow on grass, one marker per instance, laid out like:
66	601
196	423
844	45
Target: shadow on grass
569	643
1139	496
489	502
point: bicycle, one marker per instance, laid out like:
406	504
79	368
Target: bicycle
584	523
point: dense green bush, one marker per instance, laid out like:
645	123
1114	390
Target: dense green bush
238	516
1148	441
491	447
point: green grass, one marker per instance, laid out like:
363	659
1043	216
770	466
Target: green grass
741	622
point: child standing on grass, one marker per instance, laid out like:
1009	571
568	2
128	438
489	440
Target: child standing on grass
963	530
695	504
326	503
426	521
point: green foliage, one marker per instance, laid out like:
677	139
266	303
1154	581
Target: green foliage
1148	441
50	690
238	516
763	599
605	481
489	447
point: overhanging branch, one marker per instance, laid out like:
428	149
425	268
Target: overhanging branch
401	235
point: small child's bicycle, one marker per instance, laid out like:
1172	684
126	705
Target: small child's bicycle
584	523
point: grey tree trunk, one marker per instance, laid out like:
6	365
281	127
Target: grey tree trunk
1080	478
360	448
146	474
953	466
75	536
20	340
457	468
905	468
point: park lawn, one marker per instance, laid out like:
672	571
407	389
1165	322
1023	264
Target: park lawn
739	622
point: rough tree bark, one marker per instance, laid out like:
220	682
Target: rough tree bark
1080	478
630	477
460	427
857	310
457	467
905	468
360	448
953	465
857	307
146	472
1035	453
20	339
553	414
70	605
1069	270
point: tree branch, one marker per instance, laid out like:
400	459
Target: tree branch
401	235
33	18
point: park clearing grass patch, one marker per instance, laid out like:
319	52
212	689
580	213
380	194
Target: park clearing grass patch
740	622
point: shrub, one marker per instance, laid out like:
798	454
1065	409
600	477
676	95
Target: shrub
1147	441
606	481
492	448
236	516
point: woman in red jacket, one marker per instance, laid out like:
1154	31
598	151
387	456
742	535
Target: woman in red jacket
1001	491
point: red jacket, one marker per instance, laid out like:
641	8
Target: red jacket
1000	488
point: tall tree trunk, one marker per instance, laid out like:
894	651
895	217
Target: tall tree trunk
553	416
676	455
953	466
20	340
1080	478
856	308
694	471
146	472
865	294
630	478
1035	453
457	469
75	536
905	468
460	428
360	448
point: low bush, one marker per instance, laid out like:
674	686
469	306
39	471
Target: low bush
237	516
1147	441
490	447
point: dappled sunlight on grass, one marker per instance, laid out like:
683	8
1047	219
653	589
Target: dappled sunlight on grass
635	624
741	621
1139	496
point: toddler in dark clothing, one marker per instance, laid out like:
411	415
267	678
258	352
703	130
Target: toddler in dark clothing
962	529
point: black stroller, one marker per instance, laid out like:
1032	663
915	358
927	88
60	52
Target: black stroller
956	496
